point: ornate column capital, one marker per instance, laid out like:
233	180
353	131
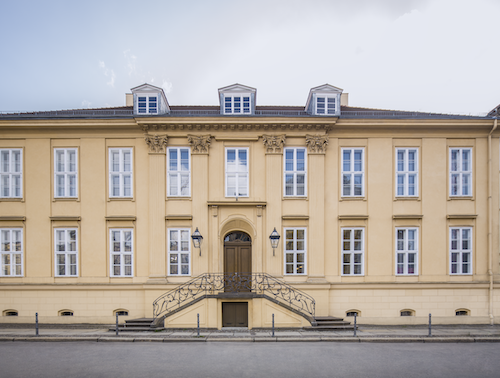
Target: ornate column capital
317	143
199	143
274	143
156	143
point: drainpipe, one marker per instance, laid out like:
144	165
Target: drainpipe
490	224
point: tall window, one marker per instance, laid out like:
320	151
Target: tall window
66	247
179	252
295	172
295	250
120	172
121	252
11	173
461	250
352	251
65	172
460	171
11	251
147	104
236	172
407	172
325	105
179	171
407	251
237	104
353	172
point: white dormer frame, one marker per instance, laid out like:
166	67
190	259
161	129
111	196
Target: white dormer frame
324	101
149	100
237	99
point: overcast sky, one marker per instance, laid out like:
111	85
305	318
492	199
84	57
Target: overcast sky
426	55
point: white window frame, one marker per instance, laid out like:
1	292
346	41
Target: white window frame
68	254
6	245
233	108
148	109
237	174
178	251
352	173
121	173
8	175
122	253
326	110
295	251
406	174
352	251
66	173
460	251
403	249
178	173
294	172
460	173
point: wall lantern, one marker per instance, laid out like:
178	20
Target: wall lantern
197	239
275	239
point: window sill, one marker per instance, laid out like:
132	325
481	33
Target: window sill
66	199
353	198
462	198
179	198
407	199
121	199
8	199
295	198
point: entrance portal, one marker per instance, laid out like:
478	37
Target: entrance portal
238	261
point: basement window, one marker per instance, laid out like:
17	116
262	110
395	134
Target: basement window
10	313
462	312
353	312
66	313
121	312
407	313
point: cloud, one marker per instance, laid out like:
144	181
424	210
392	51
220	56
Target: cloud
167	86
109	73
86	104
131	62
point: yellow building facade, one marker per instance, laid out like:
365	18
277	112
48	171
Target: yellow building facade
390	215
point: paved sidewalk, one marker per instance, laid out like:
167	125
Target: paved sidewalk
365	333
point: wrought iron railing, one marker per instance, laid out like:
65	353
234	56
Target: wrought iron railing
215	285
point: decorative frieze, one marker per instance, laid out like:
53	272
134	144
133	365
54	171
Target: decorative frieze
274	143
156	143
317	143
235	127
199	143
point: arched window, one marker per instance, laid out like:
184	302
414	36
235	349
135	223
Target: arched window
10	313
238	237
407	312
120	312
66	313
353	312
462	312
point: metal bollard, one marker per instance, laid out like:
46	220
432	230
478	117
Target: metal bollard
36	322
430	326
355	326
198	316
117	323
273	326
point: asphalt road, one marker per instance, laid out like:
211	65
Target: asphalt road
245	359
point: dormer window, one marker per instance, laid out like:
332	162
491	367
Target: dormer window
149	100
237	99
147	104
324	101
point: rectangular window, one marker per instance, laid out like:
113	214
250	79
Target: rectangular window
407	172
179	252
66	252
237	104
460	172
353	172
325	105
121	252
11	173
178	172
11	252
295	251
147	104
460	250
236	172
65	172
120	172
353	246
295	172
407	251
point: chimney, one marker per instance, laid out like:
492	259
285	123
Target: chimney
129	99
344	99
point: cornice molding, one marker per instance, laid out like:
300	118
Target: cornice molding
199	143
121	218
274	143
66	218
407	216
12	218
317	143
461	216
229	126
156	143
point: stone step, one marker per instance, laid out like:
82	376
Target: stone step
330	328
136	329
332	323
327	318
140	320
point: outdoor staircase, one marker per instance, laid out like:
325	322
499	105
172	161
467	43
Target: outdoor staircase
330	323
137	325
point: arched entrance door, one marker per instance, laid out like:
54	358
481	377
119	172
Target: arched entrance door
237	253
